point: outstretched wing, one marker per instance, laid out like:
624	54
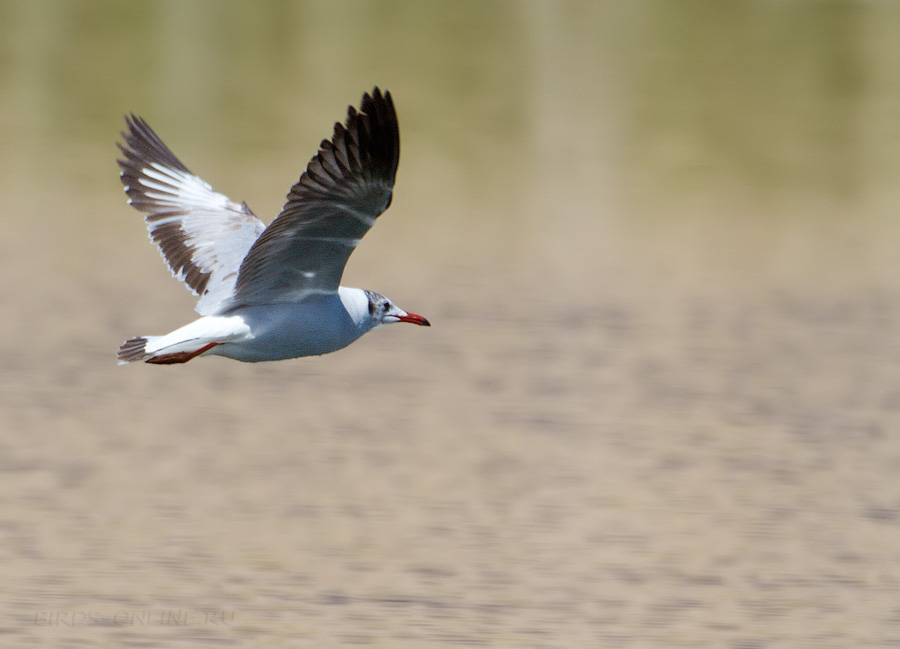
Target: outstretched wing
202	235
337	199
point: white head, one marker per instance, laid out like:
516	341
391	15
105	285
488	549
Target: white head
371	310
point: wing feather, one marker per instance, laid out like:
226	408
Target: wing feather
344	188
202	235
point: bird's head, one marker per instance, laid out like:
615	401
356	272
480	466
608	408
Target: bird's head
382	311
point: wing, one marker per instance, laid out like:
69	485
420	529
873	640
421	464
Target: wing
202	235
337	199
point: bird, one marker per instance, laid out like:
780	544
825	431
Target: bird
268	293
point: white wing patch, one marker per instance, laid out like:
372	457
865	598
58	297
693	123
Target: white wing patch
202	235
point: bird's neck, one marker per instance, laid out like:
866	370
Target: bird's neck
356	302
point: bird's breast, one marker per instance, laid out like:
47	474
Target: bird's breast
316	326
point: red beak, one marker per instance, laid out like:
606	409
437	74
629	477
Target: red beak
414	318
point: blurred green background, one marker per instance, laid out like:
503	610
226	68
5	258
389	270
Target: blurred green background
659	405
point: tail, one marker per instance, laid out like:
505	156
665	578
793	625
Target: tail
185	343
133	349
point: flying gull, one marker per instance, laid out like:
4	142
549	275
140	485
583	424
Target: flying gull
268	293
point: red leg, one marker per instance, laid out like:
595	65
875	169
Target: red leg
179	357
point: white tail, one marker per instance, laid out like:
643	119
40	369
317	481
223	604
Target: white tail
185	343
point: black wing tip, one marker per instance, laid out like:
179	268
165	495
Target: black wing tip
141	145
137	131
366	145
375	98
378	106
376	121
132	120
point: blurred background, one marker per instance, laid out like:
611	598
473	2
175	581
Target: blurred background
660	402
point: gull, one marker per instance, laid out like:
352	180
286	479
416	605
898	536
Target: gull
268	293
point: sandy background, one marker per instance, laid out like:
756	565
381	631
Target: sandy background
660	402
